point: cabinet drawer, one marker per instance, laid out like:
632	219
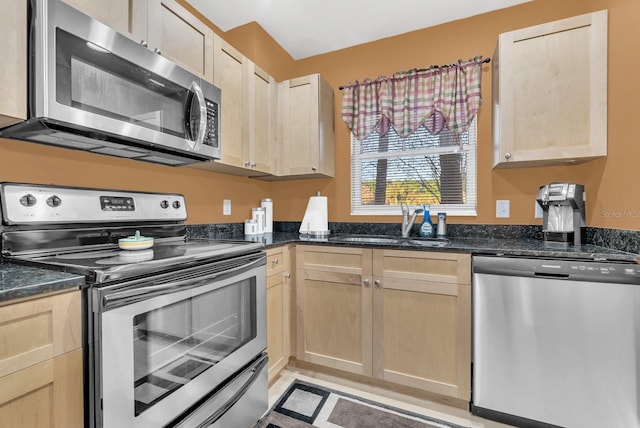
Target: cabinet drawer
333	259
37	330
439	267
277	260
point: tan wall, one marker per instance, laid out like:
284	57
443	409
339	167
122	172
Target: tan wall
610	183
204	191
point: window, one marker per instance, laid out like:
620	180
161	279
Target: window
423	168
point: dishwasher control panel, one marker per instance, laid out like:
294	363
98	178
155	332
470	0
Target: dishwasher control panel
571	270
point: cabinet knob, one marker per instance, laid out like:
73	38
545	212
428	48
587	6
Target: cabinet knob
275	261
366	282
144	43
253	165
507	155
313	168
158	51
288	276
377	283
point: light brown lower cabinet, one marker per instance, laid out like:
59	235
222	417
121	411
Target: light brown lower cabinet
278	309
48	394
394	315
41	382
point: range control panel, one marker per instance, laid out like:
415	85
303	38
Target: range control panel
32	204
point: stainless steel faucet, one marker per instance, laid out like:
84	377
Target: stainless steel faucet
407	222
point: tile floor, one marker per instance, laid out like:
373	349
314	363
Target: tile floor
401	401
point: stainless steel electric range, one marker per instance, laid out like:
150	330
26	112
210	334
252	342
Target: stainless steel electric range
174	334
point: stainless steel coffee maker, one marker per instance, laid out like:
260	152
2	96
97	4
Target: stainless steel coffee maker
563	208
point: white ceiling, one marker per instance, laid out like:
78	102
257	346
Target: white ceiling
306	28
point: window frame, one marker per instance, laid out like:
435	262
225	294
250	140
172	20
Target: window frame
468	209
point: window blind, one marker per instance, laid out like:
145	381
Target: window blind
423	168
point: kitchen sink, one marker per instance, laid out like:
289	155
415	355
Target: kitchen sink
428	242
369	239
391	240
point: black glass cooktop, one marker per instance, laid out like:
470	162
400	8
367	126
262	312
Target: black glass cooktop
112	263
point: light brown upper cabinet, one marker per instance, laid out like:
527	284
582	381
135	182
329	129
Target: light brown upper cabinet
13	68
128	17
248	114
261	142
306	130
162	25
550	93
180	36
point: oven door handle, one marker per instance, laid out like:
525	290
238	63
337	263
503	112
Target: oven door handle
236	396
126	297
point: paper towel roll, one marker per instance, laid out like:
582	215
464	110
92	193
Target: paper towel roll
315	221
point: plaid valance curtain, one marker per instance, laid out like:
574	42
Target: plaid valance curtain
435	98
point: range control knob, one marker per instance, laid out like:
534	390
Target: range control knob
176	204
54	201
164	204
28	200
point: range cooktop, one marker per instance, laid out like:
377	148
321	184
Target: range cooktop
110	264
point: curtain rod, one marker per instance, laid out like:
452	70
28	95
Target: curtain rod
485	61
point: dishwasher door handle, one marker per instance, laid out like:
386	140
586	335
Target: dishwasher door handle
551	275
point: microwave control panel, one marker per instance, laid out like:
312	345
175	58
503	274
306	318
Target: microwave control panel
211	137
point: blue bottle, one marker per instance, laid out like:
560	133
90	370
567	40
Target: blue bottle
426	227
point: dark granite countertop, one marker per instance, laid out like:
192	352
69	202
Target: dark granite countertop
481	245
507	247
17	281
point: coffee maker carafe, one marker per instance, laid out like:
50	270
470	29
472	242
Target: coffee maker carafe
563	209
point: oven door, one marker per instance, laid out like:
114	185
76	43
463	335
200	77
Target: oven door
164	344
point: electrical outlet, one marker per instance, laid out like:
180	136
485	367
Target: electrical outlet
502	208
226	207
538	210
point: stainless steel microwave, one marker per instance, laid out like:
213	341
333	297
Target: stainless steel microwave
93	89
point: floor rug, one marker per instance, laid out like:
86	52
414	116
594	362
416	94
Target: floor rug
305	405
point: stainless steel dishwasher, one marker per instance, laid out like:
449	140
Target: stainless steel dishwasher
556	342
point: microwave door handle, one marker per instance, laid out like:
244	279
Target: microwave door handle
202	114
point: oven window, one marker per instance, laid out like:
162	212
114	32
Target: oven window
95	80
176	343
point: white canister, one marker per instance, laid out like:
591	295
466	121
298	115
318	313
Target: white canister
250	227
267	204
257	214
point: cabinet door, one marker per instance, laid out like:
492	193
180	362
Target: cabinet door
37	330
550	93
262	111
229	76
278	323
47	395
128	17
334	307
13	67
307	141
421	321
278	309
181	37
